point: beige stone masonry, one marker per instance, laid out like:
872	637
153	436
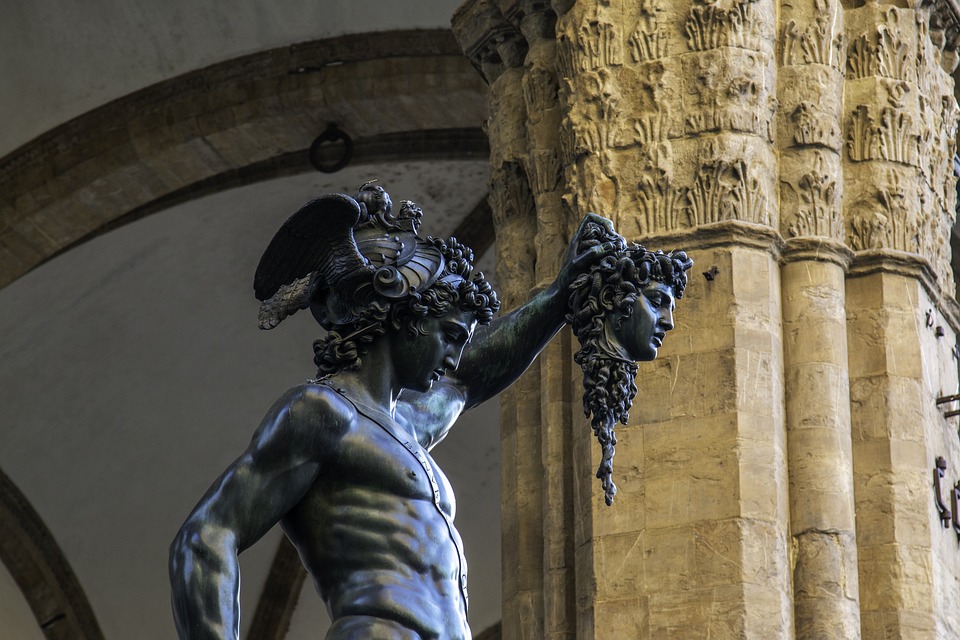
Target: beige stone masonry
775	477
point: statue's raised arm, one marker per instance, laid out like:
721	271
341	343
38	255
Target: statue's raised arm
342	462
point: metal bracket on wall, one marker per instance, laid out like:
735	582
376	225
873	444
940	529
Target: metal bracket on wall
938	469
948	399
954	499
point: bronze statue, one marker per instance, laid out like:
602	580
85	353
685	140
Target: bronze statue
620	311
342	461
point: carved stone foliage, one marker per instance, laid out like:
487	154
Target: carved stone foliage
813	127
595	43
884	219
712	24
648	41
510	194
729	93
592	116
815	42
818	212
884	51
545	170
890	136
726	190
660	205
540	89
944	33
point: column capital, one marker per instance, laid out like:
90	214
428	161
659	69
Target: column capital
818	249
488	38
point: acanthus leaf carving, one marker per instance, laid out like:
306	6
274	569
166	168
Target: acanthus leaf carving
817	43
545	171
710	26
648	41
594	44
892	139
894	54
725	190
649	128
818	213
884	221
510	194
862	58
881	52
814	128
730	96
660	205
540	89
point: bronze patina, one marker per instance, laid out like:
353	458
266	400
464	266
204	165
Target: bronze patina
620	311
342	462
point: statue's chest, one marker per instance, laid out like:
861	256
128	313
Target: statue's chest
393	463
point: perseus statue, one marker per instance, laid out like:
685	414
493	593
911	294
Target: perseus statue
343	461
620	311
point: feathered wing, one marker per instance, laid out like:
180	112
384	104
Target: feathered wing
315	242
288	299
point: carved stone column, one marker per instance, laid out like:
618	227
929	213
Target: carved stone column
497	48
819	450
801	152
900	122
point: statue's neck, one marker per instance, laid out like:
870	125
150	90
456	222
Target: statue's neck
374	382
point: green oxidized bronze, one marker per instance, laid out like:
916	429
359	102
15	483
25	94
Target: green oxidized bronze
342	462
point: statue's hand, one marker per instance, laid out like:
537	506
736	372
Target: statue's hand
578	258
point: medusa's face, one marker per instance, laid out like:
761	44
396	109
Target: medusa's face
641	333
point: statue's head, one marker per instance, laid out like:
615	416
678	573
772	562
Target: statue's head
366	273
620	311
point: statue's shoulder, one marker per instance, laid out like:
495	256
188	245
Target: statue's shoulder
317	405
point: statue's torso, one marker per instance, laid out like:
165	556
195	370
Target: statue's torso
372	536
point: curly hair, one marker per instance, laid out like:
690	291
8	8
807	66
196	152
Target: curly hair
456	288
610	288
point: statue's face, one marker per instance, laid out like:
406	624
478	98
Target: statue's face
421	360
641	334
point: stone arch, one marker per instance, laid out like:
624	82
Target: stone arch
41	571
225	121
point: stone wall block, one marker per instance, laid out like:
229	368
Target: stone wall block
698	614
693	481
762	478
622	618
828	600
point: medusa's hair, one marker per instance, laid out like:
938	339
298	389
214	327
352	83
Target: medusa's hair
611	288
456	288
